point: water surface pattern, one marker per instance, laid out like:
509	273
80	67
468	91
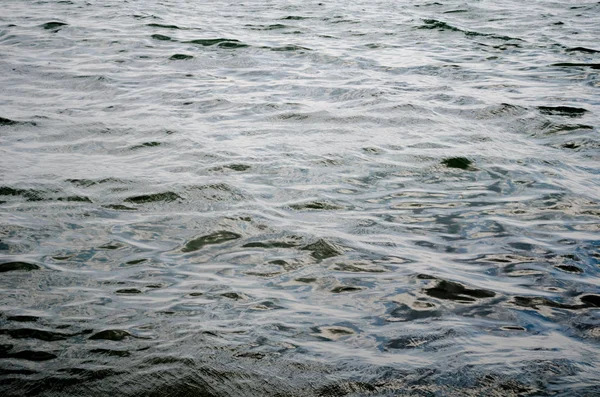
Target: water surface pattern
309	198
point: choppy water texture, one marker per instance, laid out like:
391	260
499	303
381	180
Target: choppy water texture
316	198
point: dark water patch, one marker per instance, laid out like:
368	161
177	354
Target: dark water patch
158	25
450	290
238	167
294	116
567	111
29	194
332	332
583	49
591	300
234	295
501	110
210	42
566	128
77	199
23	319
455	11
440	25
288	265
571	145
62	257
494	36
507	46
18	267
128	291
136	261
265	305
290	47
323	249
294	18
462	163
263	274
210	239
274	26
577	65
372	150
29	355
90	182
119	207
161	37
340	20
358	267
272	244
140	16
82	182
505	258
111	246
30	333
180	57
306	280
232	45
535	302
55	26
513	328
570	257
39	195
4	121
569	268
316	205
112	334
252	355
345	288
153	198
443	26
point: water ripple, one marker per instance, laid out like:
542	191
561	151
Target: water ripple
326	199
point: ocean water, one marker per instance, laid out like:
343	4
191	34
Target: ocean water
299	198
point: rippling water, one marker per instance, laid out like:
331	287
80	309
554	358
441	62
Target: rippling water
299	198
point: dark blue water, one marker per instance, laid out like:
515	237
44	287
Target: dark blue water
275	198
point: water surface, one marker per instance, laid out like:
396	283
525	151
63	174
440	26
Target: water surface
299	198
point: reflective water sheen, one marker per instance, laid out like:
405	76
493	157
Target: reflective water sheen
299	198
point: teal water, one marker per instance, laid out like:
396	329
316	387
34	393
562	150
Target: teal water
321	198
